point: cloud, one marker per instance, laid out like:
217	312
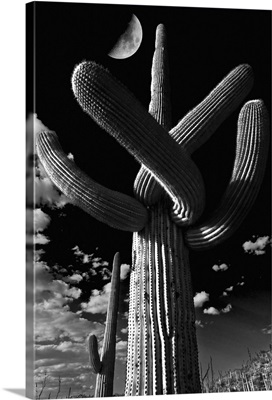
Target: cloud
121	350
41	239
41	220
52	293
98	302
211	311
70	156
60	334
73	374
199	324
33	127
98	262
201	298
46	193
215	311
124	271
267	330
125	315
89	258
229	289
44	190
75	278
51	354
124	330
53	318
222	267
227	309
257	247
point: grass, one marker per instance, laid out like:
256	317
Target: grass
254	375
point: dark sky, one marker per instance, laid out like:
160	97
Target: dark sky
203	45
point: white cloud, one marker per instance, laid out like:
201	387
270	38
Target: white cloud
77	252
70	156
73	278
229	289
33	126
98	301
53	318
211	311
267	330
124	330
52	293
41	220
215	311
125	315
60	334
257	247
121	345
124	271
221	267
41	239
201	298
98	262
199	324
46	193
75	374
87	258
227	309
121	350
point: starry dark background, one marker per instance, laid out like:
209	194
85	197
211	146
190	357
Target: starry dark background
203	46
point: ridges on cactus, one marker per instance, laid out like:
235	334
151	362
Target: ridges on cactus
103	365
135	129
199	124
162	347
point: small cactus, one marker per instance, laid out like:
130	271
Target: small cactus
95	362
103	366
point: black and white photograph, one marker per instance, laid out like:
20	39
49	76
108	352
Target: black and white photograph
148	200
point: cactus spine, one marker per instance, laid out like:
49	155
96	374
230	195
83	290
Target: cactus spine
162	353
104	366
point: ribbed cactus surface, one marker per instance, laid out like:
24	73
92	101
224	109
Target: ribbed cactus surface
115	109
252	146
162	355
113	208
103	365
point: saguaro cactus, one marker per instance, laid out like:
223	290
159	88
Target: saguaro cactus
162	355
103	366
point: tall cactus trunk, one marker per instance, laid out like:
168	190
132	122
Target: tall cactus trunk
162	355
104	380
105	368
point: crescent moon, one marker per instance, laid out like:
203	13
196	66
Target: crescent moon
129	42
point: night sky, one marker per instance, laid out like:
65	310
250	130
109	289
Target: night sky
74	251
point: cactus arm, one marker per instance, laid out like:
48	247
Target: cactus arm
104	381
249	166
146	188
160	105
94	358
117	111
199	124
113	208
